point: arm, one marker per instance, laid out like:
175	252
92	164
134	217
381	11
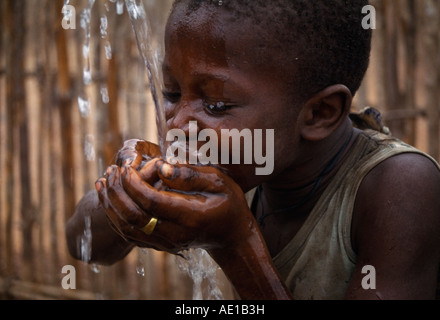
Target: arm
108	246
399	232
200	207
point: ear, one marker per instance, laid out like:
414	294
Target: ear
323	113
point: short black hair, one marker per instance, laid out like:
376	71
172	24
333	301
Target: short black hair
323	40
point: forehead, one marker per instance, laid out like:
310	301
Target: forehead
185	18
211	38
211	28
196	32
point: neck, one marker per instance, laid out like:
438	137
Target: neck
300	186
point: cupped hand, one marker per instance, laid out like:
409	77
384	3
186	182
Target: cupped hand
197	206
140	155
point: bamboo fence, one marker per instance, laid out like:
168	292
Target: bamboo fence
52	149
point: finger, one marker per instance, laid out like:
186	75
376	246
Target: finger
170	237
115	221
147	151
192	178
136	153
127	231
130	144
148	148
177	207
123	206
127	153
149	172
156	240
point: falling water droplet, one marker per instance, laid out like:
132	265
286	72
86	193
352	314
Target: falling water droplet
85	24
86	240
142	260
86	50
66	10
95	268
87	76
140	270
119	7
103	26
108	50
84	107
89	149
104	95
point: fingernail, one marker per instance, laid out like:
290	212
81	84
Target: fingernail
167	170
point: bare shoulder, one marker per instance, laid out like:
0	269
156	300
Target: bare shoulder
410	181
396	225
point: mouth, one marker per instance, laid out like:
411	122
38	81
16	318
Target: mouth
183	152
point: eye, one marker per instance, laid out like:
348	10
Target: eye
172	97
217	107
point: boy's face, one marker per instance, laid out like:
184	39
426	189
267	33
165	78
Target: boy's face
211	76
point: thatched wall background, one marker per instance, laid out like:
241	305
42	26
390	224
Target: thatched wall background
51	153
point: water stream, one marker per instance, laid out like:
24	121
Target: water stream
202	269
150	56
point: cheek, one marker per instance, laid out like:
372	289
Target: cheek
286	143
249	156
243	175
239	152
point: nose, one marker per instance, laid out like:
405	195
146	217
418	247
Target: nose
179	116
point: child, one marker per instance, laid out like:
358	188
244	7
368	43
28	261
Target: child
339	200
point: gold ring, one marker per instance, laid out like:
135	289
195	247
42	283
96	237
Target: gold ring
149	227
